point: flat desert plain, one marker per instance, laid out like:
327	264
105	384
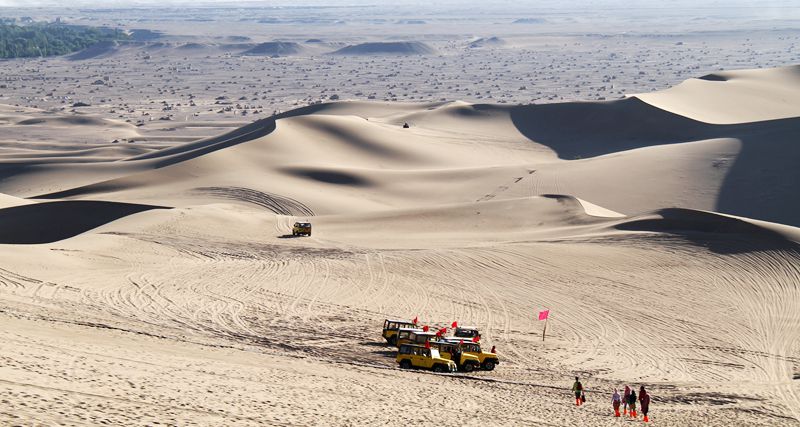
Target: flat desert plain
149	275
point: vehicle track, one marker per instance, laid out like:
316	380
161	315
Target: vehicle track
278	204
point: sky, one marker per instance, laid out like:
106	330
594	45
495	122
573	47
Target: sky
548	3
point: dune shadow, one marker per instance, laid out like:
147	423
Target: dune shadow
289	236
717	233
589	129
53	221
328	176
762	183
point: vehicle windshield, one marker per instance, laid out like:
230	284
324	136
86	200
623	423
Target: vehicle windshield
472	348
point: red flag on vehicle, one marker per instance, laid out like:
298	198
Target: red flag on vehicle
415	320
543	315
427	344
425	328
454	325
476	338
441	332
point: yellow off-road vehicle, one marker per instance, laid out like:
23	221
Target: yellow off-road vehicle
466	362
391	326
417	356
301	228
488	360
414	336
403	335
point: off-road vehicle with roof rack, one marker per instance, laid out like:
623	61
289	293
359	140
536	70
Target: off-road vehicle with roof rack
414	336
301	227
391	326
466	332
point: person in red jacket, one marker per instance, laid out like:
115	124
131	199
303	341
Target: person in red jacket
644	400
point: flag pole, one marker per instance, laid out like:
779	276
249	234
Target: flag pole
545	325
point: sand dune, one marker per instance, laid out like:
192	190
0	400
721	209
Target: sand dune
487	42
734	96
645	231
98	50
386	48
275	48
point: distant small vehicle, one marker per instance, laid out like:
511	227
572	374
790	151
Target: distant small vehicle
391	326
416	356
301	228
466	332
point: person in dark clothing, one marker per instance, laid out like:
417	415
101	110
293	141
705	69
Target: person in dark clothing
644	400
625	400
632	403
577	388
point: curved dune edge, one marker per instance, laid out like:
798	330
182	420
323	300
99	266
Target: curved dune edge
730	97
8	201
691	222
594	210
50	222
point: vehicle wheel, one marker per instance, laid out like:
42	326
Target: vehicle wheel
405	364
467	367
438	369
309	234
488	365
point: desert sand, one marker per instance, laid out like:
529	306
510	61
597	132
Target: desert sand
158	285
640	184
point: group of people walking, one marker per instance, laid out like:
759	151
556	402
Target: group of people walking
627	401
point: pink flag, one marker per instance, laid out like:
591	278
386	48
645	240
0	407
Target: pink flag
543	315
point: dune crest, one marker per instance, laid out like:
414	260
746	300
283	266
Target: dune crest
730	97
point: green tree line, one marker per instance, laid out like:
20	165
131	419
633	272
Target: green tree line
51	39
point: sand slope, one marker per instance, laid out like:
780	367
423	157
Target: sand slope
644	231
734	96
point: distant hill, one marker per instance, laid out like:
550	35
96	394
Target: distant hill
529	21
484	42
274	48
387	48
